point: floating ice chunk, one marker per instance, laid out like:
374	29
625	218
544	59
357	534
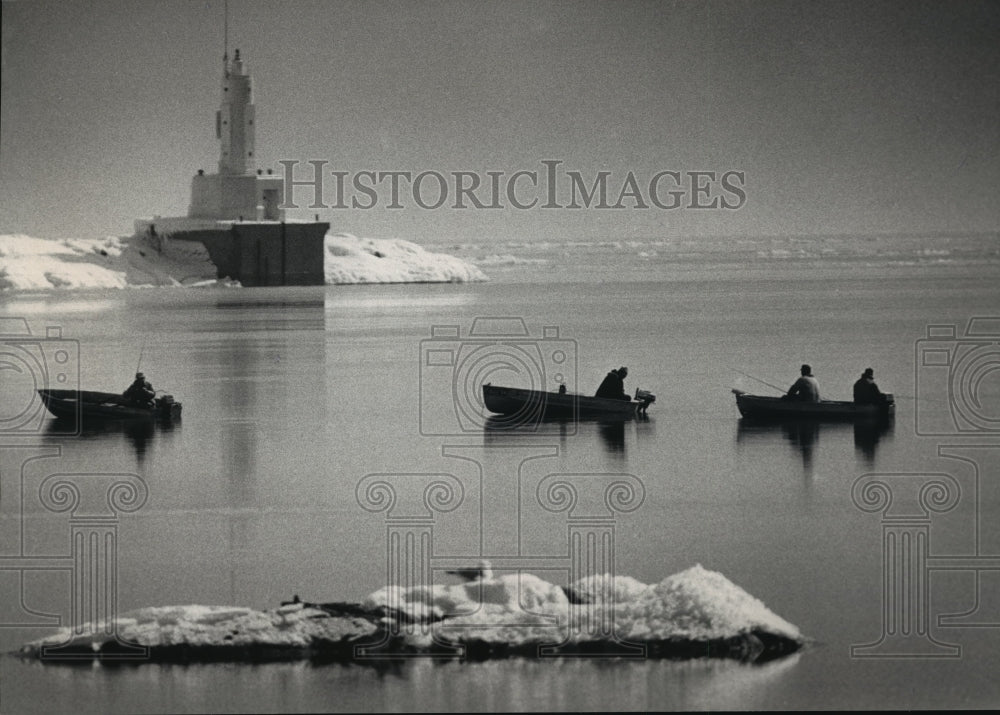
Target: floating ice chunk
213	630
697	604
695	613
606	588
487	598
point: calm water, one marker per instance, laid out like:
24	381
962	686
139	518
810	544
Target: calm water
292	396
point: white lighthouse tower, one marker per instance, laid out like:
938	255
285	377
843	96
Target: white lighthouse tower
237	192
234	120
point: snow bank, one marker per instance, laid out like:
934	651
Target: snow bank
350	259
692	614
28	263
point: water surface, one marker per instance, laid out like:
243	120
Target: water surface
292	396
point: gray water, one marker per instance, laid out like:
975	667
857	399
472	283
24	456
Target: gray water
292	396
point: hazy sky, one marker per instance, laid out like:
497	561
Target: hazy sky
845	117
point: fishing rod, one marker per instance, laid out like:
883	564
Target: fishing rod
779	389
141	350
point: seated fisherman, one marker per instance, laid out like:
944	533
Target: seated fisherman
140	392
866	392
805	388
613	386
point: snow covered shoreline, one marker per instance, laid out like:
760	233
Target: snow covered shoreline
29	263
349	259
693	614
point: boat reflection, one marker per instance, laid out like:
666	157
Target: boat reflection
868	435
499	430
138	434
613	436
803	435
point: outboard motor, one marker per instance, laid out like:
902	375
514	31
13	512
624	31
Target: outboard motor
166	407
646	398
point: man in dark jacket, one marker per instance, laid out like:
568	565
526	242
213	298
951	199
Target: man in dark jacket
805	388
139	392
613	386
866	392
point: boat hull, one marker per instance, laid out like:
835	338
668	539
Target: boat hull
775	408
73	404
528	405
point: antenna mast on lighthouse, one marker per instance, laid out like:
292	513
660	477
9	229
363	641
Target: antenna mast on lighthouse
225	40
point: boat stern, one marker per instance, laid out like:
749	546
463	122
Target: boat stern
168	408
645	398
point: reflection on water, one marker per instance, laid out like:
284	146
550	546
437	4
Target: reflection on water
384	301
137	434
804	436
499	430
613	435
240	302
443	685
259	485
611	432
868	435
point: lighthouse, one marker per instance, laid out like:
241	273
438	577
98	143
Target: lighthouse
234	120
235	212
237	192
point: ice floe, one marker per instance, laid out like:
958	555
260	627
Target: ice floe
692	614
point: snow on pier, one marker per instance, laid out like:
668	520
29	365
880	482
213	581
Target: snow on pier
30	264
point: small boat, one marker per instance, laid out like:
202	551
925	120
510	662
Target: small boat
70	404
776	408
527	405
